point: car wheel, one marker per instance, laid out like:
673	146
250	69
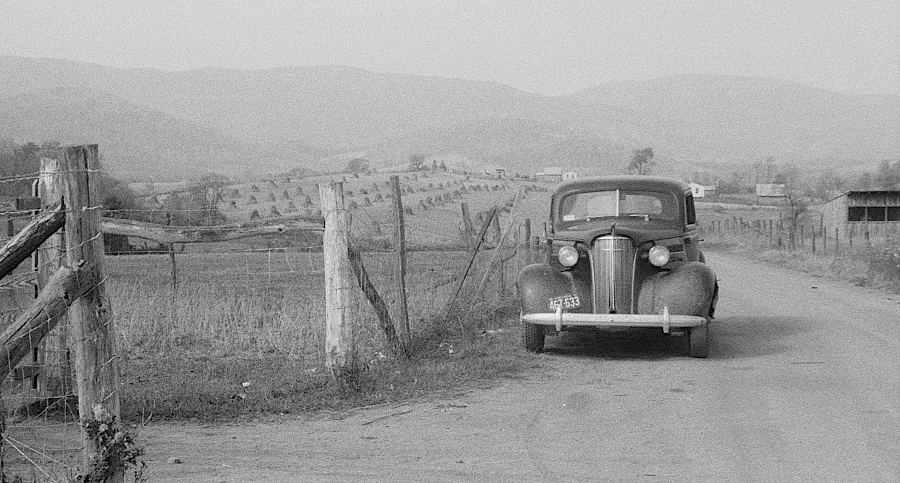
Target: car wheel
699	338
533	337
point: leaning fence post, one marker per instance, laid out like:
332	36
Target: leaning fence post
473	253
340	343
400	244
468	230
495	226
94	332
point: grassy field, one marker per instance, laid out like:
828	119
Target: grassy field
257	317
874	262
242	334
249	313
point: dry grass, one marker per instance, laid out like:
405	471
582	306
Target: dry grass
246	314
257	317
876	265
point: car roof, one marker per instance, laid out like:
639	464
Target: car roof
626	182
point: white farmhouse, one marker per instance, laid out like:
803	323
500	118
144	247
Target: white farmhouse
699	190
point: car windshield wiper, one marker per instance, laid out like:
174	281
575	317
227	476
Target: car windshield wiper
595	217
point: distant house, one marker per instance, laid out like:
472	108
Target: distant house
550	174
770	190
860	207
699	190
501	173
570	175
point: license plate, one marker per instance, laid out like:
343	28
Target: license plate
565	301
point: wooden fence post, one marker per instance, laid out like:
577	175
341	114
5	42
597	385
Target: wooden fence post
495	226
56	373
468	230
171	246
400	244
473	253
340	337
780	231
93	328
527	239
837	241
398	348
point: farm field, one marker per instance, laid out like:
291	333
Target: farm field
256	317
242	333
431	200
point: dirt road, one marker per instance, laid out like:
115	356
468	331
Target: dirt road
802	384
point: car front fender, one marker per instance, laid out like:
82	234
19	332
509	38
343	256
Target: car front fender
689	289
538	283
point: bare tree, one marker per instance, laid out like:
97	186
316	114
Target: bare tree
416	161
641	162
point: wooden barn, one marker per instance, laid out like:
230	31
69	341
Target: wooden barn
863	207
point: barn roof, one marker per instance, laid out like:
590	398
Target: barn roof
866	191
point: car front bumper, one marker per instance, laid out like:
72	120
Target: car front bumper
665	321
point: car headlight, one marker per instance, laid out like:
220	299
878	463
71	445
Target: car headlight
567	256
659	255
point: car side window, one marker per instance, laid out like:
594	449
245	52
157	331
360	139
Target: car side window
691	215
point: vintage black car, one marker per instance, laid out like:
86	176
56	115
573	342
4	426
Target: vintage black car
622	251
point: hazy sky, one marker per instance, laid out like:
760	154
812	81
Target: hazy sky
545	47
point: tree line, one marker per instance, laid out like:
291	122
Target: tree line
196	205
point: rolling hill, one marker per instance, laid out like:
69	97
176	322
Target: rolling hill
154	123
726	118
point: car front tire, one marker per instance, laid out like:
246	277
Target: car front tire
699	340
532	337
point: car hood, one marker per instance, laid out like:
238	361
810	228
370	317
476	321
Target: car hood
638	230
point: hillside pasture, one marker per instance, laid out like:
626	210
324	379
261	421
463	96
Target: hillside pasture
243	308
431	200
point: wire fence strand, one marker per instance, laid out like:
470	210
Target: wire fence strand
182	308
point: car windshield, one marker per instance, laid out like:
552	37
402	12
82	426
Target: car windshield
649	205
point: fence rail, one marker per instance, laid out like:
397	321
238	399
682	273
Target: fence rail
242	290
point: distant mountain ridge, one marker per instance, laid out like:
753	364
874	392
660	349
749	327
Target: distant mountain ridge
725	116
154	123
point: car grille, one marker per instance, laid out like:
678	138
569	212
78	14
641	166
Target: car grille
612	266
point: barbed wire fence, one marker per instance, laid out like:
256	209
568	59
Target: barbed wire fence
47	439
256	296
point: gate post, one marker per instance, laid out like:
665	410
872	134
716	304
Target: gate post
93	328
